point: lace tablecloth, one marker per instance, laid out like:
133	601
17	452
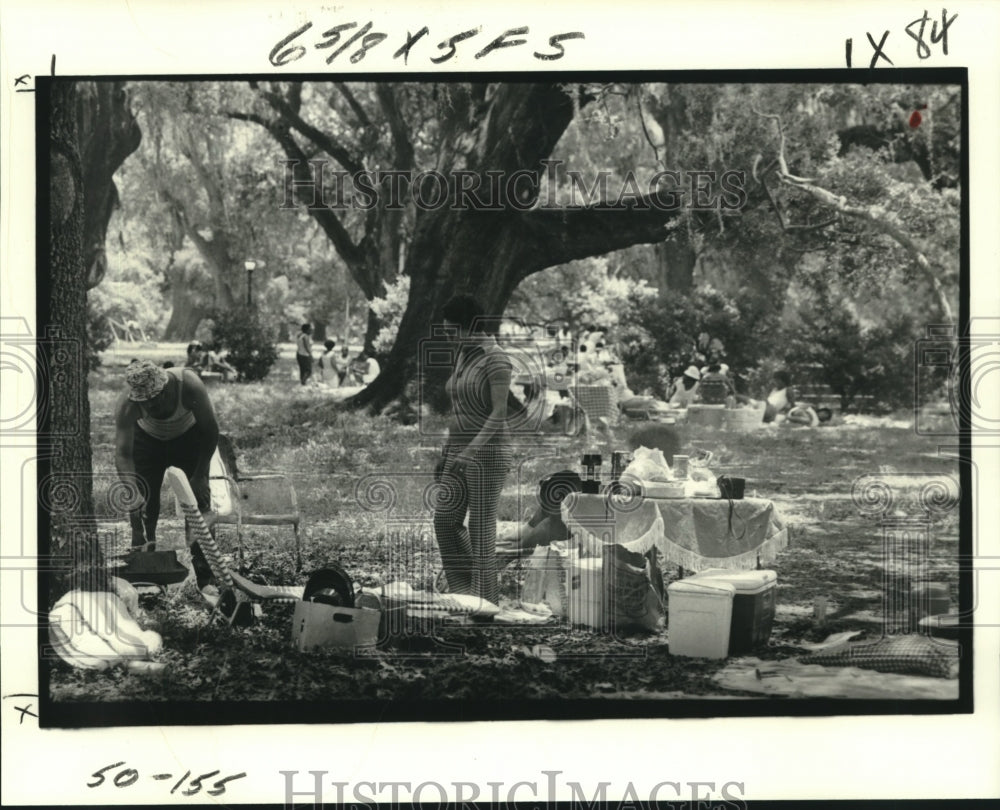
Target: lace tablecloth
695	533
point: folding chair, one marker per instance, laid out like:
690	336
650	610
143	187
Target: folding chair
266	499
598	403
250	500
257	500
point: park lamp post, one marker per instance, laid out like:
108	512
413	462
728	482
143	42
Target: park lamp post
249	265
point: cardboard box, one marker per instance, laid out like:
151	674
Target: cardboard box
318	625
753	605
699	617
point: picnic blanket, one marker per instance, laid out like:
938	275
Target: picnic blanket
790	678
418	601
907	654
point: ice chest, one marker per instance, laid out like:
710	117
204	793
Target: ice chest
585	591
315	624
699	615
753	605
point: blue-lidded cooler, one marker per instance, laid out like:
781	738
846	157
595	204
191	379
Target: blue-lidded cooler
753	605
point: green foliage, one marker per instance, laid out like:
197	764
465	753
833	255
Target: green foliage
249	343
203	201
389	310
599	290
870	261
132	289
706	326
832	346
852	140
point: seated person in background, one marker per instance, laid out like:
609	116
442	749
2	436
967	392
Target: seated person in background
802	414
327	371
715	387
364	369
735	399
341	363
619	382
373	370
685	388
781	398
808	416
601	353
558	374
194	355
214	361
590	371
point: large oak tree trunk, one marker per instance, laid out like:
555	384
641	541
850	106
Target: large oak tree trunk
488	253
108	134
67	489
676	259
186	314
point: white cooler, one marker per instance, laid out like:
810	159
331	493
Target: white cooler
585	592
699	617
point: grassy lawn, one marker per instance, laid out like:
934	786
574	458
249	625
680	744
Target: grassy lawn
278	426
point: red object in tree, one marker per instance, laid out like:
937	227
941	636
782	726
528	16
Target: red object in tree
915	120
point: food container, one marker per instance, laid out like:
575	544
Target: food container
753	605
619	461
591	473
699	617
663	489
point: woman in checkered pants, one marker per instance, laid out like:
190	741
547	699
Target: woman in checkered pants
477	454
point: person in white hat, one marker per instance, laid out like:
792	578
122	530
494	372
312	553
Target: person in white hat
164	418
685	388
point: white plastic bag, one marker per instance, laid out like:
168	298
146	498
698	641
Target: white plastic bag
648	464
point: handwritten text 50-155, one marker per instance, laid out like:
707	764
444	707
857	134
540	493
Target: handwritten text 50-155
357	40
126	777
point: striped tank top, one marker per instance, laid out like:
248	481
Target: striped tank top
178	423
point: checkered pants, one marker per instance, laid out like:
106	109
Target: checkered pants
469	555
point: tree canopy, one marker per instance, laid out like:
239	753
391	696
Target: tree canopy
848	191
